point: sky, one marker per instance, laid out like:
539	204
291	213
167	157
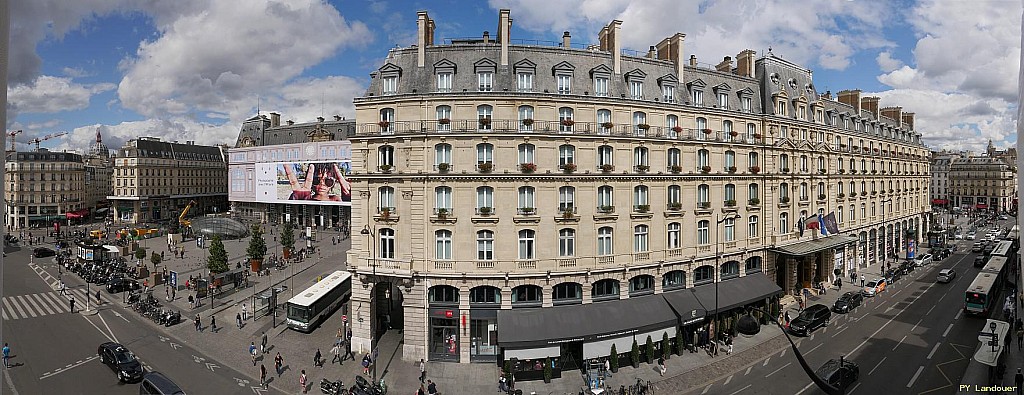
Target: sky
195	69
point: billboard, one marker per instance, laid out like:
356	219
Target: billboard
304	182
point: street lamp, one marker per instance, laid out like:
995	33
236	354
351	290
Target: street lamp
718	264
367	231
747	325
885	235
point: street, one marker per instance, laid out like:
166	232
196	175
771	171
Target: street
54	351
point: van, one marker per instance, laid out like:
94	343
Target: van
813	317
839	374
155	383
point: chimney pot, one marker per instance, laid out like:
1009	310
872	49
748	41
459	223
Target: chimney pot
337	117
693	60
652	53
566	39
487	37
291	122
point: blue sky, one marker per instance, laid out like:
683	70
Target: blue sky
193	69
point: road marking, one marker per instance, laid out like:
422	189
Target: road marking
840	331
855	387
933	350
913	379
740	390
42	305
782	353
958	313
19	301
8	307
899	342
810	338
748	370
706	389
727	380
947	330
889	321
812	349
68	367
777	370
930	310
108	328
876	366
255	390
918	323
766	361
805	388
54	299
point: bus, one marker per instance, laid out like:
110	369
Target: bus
312	306
1004	249
982	294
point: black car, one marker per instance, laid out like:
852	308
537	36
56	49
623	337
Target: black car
43	252
120	284
839	375
979	261
813	317
848	302
122	361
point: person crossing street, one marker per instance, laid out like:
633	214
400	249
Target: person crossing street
252	352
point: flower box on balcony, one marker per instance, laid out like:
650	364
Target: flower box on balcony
675	168
567	213
485	167
484	210
607	125
385	168
874	172
607	168
643	208
606	209
841	195
755	169
568	122
677	129
785	170
841	171
704	205
675	206
734	133
568	167
707	131
784	199
730	203
864	193
731	169
383	124
757	136
853	171
642	168
385	212
527	167
643	126
484	122
821	196
526	210
442	213
705	169
754	202
527	121
822	171
444	121
443	167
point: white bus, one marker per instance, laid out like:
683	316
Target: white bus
312	306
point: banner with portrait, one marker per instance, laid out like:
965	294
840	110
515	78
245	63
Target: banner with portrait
304	182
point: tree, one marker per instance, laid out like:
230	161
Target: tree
217	262
547	370
613	359
634	354
140	253
257	246
680	342
649	348
288	236
155	258
666	347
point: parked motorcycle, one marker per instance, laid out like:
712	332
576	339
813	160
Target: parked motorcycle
332	387
364	387
169	318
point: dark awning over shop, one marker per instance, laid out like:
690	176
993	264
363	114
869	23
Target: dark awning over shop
736	292
523	328
812	246
686	305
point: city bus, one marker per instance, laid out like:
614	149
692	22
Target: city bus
309	308
1004	249
982	294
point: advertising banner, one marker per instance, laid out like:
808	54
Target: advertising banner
304	183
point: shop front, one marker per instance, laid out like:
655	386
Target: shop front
802	265
444	334
727	301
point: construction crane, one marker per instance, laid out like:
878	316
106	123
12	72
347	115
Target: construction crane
11	135
38	140
186	225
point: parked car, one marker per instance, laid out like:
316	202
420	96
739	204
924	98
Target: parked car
839	375
920	260
946	275
977	246
156	383
813	317
848	302
873	287
122	361
971	236
980	261
43	252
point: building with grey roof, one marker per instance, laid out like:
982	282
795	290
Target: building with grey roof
44	188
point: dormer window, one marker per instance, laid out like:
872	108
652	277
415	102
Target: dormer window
600	75
444	71
389	75
668	88
698	97
525	70
635	81
563	72
484	69
722	95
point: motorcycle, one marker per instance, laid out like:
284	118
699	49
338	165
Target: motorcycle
332	387
364	387
169	318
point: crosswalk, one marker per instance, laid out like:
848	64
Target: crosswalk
43	304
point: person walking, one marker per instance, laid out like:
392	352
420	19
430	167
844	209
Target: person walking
661	366
72	302
245	313
263	375
213	323
7	356
63	288
199	324
302	381
98	300
1018	380
238	320
263	343
423	371
1020	337
336	351
861	280
191	302
787	319
431	388
278	361
316	359
252	352
728	344
366	364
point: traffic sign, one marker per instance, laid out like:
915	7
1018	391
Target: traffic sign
344	318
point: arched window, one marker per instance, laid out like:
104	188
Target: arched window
784	163
752	227
674	279
387	243
703	159
526	153
784	223
671	125
567	242
727	128
729	229
730	194
605	157
484	153
675	197
640	202
703	196
640	162
730	269
485	294
483	117
752	265
605	198
703	275
443	295
527	296
604	120
526	200
565	121
730	161
566	198
442	156
443	200
567	293
752	161
566	155
386	157
526	118
485	200
485	245
443	248
640	238
675	160
639	121
444	118
606	289
604	241
527	244
784	193
751	130
753	194
641	285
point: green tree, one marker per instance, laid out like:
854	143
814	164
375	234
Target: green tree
649	348
257	246
680	342
634	354
140	253
217	262
547	370
288	236
155	258
666	347
613	359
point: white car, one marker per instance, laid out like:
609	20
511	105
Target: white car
945	276
958	236
921	259
971	236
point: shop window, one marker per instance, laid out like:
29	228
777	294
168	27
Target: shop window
443	294
567	293
527	296
606	289
703	275
730	269
641	285
485	295
673	280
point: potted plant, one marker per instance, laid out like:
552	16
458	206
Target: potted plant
607	167
606	209
642	168
757	136
821	196
705	169
217	262
287	240
707	131
734	133
675	168
607	125
444	121
704	205
680	342
841	171
864	193
643	126
613	359
527	121
568	167
384	124
643	208
677	129
156	259
485	122
841	195
547	370
385	168
385	212
754	201
567	213
650	350
784	199
527	167
822	171
485	167
666	347
730	203
567	122
485	210
754	169
634	355
257	248
140	254
853	171
527	210
675	206
442	213
732	169
442	167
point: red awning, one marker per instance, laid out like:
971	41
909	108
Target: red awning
72	215
939	201
980	205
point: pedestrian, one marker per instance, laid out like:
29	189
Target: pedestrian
862	280
1018	380
366	364
278	361
98	300
252	352
199	324
787	319
661	366
431	388
501	384
191	302
63	288
348	351
213	324
423	370
316	359
728	343
302	381
1020	337
238	320
336	351
263	343
263	375
607	367
72	302
7	356
245	314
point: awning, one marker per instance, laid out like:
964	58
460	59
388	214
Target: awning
812	246
603	348
686	305
543	327
536	353
939	201
736	292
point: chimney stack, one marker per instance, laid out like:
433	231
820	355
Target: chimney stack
320	119
609	41
424	36
851	97
745	63
565	39
671	49
870	104
693	60
275	119
725	66
337	117
652	53
827	95
908	119
894	113
291	122
487	37
504	30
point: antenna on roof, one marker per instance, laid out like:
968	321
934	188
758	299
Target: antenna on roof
257	104
321	103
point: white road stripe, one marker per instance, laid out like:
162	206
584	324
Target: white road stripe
930	310
805	388
913	379
812	349
42	305
748	370
727	380
959	312
740	390
933	350
777	370
899	342
8	308
876	366
766	361
18	300
55	299
705	389
947	330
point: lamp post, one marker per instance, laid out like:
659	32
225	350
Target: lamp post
748	325
371	233
718	264
885	235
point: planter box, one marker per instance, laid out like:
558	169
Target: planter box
255	265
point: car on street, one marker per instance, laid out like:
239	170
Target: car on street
958	236
121	361
971	236
920	260
980	261
839	375
945	275
873	287
848	302
813	317
156	383
121	284
977	246
43	252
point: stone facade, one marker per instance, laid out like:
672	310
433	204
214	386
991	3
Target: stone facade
42	187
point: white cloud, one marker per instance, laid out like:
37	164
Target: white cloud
49	94
955	120
171	129
887	62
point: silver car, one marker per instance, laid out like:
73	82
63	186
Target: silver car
945	275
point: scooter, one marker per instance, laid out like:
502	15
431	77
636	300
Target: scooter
364	387
332	387
170	317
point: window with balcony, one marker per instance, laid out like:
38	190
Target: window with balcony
730	161
729	192
566	198
804	192
752	227
485	245
604	121
443	245
804	167
605	155
386	199
526	118
527	244
640	125
784	163
675	197
387	243
674	236
387	120
703	232
443	116
565	121
604	241
526	153
567	242
483	117
674	160
640	202
443	200
703	196
640	161
703	159
605	290
442	157
672	127
484	153
753	194
386	157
